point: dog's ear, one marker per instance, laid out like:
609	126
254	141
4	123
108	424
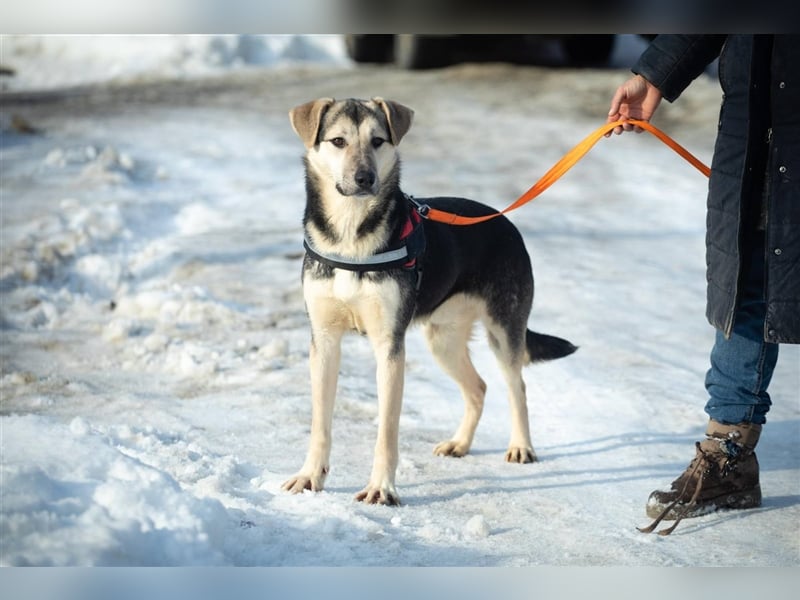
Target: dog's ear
398	116
307	117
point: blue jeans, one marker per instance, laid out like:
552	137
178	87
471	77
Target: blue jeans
742	366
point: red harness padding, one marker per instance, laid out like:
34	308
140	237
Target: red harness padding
413	221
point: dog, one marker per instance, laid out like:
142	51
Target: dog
374	266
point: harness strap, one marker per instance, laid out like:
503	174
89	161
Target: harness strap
401	256
559	169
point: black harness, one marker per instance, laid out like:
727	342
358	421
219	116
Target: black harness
402	255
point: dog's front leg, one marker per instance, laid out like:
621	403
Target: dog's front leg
390	358
324	359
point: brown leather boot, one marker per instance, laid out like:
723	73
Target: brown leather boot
723	474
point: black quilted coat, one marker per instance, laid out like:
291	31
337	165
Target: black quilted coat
758	145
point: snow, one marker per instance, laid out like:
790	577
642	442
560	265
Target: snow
154	370
57	61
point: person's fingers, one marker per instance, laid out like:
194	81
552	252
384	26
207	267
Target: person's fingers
614	110
623	127
616	103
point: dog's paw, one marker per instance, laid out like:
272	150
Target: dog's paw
379	495
300	483
451	448
517	454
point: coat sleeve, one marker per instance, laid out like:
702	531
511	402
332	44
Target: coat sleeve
672	62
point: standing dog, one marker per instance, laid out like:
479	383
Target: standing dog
373	266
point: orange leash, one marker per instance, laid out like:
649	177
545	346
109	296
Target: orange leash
559	169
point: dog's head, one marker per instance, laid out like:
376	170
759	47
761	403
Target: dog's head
352	142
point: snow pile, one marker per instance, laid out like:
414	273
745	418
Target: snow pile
104	506
55	61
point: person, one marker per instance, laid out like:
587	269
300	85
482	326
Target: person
752	246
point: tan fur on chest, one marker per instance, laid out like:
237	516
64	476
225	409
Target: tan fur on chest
348	302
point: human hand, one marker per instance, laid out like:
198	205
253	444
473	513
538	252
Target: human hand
638	99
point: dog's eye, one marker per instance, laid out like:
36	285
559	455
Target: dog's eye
377	142
338	142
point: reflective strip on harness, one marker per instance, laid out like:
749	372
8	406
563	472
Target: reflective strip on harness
405	256
362	264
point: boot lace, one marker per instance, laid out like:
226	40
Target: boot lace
704	462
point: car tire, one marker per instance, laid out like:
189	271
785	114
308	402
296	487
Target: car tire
370	48
588	50
422	51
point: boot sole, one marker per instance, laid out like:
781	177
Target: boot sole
736	500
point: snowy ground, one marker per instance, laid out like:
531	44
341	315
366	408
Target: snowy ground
154	377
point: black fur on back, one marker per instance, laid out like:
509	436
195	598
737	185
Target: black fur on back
488	260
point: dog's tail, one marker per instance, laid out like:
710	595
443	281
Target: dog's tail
543	347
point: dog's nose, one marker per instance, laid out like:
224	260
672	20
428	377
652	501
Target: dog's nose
365	178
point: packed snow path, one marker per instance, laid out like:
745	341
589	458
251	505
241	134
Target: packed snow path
155	387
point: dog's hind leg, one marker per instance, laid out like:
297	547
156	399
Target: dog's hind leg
511	358
448	334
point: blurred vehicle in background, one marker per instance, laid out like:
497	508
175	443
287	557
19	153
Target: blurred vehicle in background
412	51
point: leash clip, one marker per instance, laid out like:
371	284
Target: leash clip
422	209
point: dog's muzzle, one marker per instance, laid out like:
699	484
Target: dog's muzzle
363	183
365	179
